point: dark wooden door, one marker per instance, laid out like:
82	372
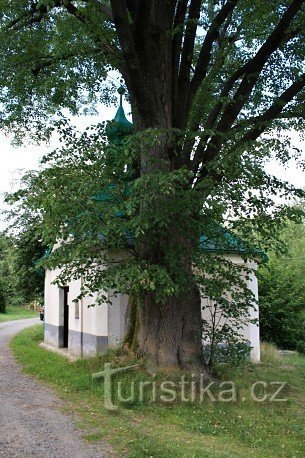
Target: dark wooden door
66	317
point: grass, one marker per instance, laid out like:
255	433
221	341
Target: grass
16	313
240	428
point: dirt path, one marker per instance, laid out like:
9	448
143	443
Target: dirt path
31	422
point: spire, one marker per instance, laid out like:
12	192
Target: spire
117	129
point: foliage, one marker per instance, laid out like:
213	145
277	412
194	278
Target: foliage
226	311
21	282
5	271
56	56
29	280
282	293
100	205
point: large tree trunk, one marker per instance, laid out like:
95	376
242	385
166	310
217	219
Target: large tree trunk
170	333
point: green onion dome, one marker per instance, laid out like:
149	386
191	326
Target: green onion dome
120	127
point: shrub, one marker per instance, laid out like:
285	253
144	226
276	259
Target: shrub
282	293
2	302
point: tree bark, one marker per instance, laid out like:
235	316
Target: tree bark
131	338
170	333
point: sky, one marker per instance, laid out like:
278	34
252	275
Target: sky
16	160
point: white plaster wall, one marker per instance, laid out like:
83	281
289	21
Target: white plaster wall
52	299
117	319
253	329
92	319
110	319
95	318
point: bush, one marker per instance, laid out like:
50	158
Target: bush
281	317
2	302
282	293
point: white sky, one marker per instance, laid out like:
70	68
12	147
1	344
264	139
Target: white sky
15	160
292	172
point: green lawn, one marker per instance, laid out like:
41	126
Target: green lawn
240	428
17	313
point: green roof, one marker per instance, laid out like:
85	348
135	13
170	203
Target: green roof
117	129
222	241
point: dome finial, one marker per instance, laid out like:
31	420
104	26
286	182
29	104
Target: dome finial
121	91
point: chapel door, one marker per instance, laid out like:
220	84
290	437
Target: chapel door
66	317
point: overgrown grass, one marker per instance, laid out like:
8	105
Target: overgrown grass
240	428
269	353
17	313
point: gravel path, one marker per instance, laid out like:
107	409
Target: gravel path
31	421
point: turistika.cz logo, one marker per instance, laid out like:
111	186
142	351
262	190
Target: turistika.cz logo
191	389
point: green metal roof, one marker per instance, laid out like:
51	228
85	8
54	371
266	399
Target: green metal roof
222	241
38	269
117	129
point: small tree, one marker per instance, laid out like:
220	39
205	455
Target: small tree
20	280
226	309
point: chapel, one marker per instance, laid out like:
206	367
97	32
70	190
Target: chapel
80	330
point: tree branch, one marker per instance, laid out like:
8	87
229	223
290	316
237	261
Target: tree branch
104	8
131	68
143	14
121	19
35	15
38	13
132	6
176	52
189	41
184	102
206	49
74	11
178	34
228	86
224	46
251	72
262	122
47	61
256	65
